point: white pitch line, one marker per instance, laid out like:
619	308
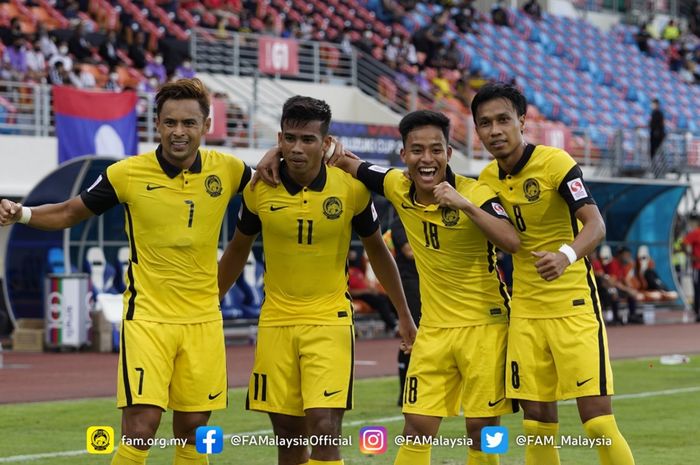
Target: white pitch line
72	453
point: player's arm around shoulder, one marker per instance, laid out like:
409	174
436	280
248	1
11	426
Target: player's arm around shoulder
487	213
385	268
236	254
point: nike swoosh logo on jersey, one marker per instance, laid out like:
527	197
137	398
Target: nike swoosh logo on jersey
150	188
493	404
581	383
274	209
328	394
212	397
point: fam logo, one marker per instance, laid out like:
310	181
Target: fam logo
531	189
213	185
332	208
450	217
100	440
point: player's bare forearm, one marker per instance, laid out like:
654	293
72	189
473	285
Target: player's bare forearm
385	268
56	216
592	232
499	231
233	261
347	163
268	168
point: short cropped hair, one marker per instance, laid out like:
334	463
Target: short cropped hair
300	110
421	118
184	89
496	90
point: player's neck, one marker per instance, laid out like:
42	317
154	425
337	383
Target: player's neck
508	162
304	178
183	164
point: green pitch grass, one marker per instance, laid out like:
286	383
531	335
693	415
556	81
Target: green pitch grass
656	408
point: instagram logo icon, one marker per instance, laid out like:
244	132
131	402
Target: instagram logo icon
373	440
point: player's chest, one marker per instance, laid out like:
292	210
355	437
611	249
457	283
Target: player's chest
529	201
191	202
306	218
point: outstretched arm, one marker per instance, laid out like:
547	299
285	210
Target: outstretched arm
233	261
49	217
498	231
384	267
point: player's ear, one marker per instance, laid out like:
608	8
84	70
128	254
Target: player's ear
327	142
522	123
402	154
279	138
207	125
449	152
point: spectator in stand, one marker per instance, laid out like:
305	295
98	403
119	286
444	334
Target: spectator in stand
533	8
499	15
155	68
361	288
365	43
78	45
692	248
671	32
71	9
185	70
657	128
392	50
346	43
642	38
10	35
85	79
429	38
149	86
109	48
62	56
694	20
443	87
390	11
47	44
606	288
621	270
113	83
137	50
675	57
466	17
58	76
36	63
16	56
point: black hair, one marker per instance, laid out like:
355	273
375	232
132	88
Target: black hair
300	110
421	118
496	90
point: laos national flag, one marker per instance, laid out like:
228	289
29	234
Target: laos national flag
94	123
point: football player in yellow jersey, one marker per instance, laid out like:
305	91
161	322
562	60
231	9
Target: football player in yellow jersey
303	370
172	352
557	344
452	224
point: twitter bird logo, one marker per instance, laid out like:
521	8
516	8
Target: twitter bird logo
494	439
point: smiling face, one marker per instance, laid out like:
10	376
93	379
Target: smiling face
302	148
500	128
426	154
181	125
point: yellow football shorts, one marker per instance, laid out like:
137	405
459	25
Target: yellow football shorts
458	367
302	367
558	358
176	366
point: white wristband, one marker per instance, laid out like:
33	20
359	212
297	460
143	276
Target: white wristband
570	253
26	215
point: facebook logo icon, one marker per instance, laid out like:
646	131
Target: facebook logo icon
210	440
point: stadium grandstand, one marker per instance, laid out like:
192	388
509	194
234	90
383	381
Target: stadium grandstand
591	70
